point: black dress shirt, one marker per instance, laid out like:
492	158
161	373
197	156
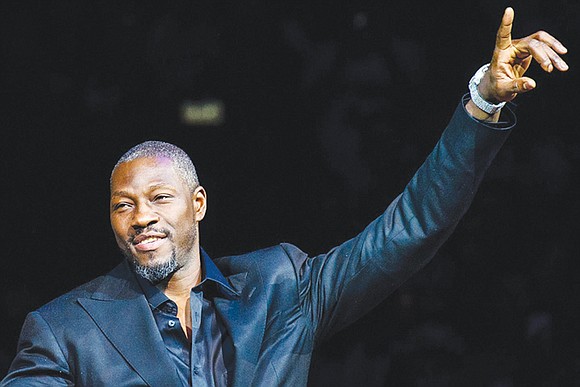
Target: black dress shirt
203	360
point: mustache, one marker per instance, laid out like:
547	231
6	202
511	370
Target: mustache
159	230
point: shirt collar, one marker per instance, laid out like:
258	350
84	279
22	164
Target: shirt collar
154	296
210	273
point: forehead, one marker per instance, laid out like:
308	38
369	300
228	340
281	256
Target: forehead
144	172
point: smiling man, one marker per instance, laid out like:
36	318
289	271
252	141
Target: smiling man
169	315
156	205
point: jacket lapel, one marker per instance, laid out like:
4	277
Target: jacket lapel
246	324
121	311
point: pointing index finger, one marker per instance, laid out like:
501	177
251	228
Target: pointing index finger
504	33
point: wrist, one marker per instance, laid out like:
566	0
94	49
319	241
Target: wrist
479	114
482	100
484	89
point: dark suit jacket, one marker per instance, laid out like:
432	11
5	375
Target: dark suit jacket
284	302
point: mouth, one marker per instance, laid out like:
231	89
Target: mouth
148	242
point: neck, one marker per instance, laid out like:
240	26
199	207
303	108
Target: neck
179	285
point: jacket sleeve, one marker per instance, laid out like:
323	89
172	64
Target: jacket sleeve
338	287
39	360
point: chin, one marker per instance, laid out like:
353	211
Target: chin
153	267
156	271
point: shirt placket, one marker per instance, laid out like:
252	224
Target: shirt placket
196	304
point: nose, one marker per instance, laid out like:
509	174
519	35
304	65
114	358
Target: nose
143	216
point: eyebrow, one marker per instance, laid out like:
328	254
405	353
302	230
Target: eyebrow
119	193
161	185
151	188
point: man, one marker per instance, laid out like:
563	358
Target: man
168	315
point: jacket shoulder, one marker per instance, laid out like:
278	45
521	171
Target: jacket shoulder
68	301
272	264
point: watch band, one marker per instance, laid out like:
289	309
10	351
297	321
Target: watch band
477	99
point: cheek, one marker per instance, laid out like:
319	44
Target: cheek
186	231
118	229
184	218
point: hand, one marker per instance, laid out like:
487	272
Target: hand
511	58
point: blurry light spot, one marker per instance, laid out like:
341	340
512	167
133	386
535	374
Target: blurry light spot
207	112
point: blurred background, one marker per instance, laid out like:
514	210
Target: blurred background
304	119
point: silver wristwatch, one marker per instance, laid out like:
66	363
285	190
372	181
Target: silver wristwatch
481	103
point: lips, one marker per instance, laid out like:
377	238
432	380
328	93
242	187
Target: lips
148	241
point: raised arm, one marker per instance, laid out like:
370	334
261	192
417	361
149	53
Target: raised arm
340	286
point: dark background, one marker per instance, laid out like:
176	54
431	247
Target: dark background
329	109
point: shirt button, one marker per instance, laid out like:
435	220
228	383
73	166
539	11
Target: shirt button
171	323
196	370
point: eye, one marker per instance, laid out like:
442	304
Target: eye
121	206
162	198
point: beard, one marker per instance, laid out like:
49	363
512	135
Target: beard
156	273
159	272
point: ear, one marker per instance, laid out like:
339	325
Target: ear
199	198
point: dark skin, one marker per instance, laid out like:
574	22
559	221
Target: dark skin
154	215
511	58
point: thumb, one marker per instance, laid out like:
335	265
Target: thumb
523	85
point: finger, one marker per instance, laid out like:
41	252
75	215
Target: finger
551	41
504	33
556	60
545	56
522	67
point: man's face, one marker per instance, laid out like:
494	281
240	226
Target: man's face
154	216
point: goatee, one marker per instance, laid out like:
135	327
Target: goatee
156	273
